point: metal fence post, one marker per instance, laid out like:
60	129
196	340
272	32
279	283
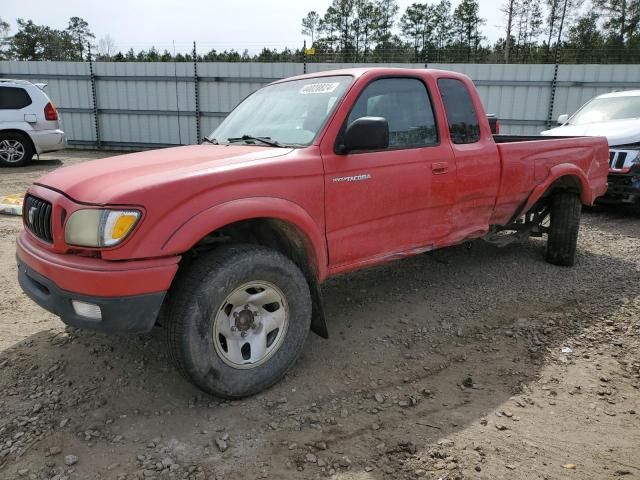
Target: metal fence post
552	98
304	57
94	96
426	56
554	82
196	91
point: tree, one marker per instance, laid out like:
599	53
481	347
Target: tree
339	19
79	31
368	15
26	43
4	34
622	19
467	22
57	45
554	18
389	10
4	28
106	47
508	9
585	35
39	42
528	21
310	25
417	25
442	21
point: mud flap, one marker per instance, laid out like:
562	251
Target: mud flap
318	321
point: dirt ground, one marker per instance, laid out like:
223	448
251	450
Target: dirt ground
448	365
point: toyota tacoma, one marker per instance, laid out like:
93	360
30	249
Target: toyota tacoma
225	244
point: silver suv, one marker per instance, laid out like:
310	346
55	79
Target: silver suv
29	123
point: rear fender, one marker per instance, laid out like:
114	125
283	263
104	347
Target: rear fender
16	128
567	171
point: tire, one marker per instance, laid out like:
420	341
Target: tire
563	229
16	150
198	307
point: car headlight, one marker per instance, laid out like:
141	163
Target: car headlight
100	228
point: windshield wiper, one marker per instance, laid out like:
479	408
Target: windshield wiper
212	141
244	138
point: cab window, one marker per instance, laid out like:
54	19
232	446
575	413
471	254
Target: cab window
461	114
405	104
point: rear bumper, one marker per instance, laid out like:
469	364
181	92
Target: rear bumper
133	314
129	294
48	140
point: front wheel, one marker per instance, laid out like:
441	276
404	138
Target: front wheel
563	228
237	319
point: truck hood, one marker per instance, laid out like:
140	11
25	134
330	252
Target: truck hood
109	179
618	132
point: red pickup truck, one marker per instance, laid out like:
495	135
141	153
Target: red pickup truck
225	244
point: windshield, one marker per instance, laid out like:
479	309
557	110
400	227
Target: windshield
287	113
607	109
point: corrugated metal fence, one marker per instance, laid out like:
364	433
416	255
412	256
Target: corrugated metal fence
134	105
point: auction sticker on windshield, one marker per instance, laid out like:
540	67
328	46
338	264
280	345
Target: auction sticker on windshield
325	87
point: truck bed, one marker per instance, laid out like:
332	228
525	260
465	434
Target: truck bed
523	138
527	162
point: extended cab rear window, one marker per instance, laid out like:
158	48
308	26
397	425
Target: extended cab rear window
13	98
464	126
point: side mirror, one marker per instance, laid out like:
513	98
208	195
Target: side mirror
562	119
366	133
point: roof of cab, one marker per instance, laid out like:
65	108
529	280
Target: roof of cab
382	71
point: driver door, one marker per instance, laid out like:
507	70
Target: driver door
385	203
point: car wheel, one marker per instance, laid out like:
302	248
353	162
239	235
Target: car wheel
237	320
15	150
563	228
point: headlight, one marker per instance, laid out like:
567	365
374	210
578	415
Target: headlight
100	228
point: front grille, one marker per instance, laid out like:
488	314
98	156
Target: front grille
617	159
37	217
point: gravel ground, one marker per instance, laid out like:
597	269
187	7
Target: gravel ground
448	365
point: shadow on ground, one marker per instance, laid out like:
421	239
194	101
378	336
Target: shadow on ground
419	349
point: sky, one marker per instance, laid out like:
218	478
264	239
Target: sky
237	24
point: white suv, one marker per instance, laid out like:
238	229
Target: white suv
29	123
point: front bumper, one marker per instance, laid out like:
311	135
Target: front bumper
129	293
133	314
622	187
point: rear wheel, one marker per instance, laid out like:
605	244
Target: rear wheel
237	320
15	150
563	228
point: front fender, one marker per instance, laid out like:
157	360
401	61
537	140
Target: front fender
557	172
200	225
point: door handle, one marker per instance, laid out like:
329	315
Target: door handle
439	168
